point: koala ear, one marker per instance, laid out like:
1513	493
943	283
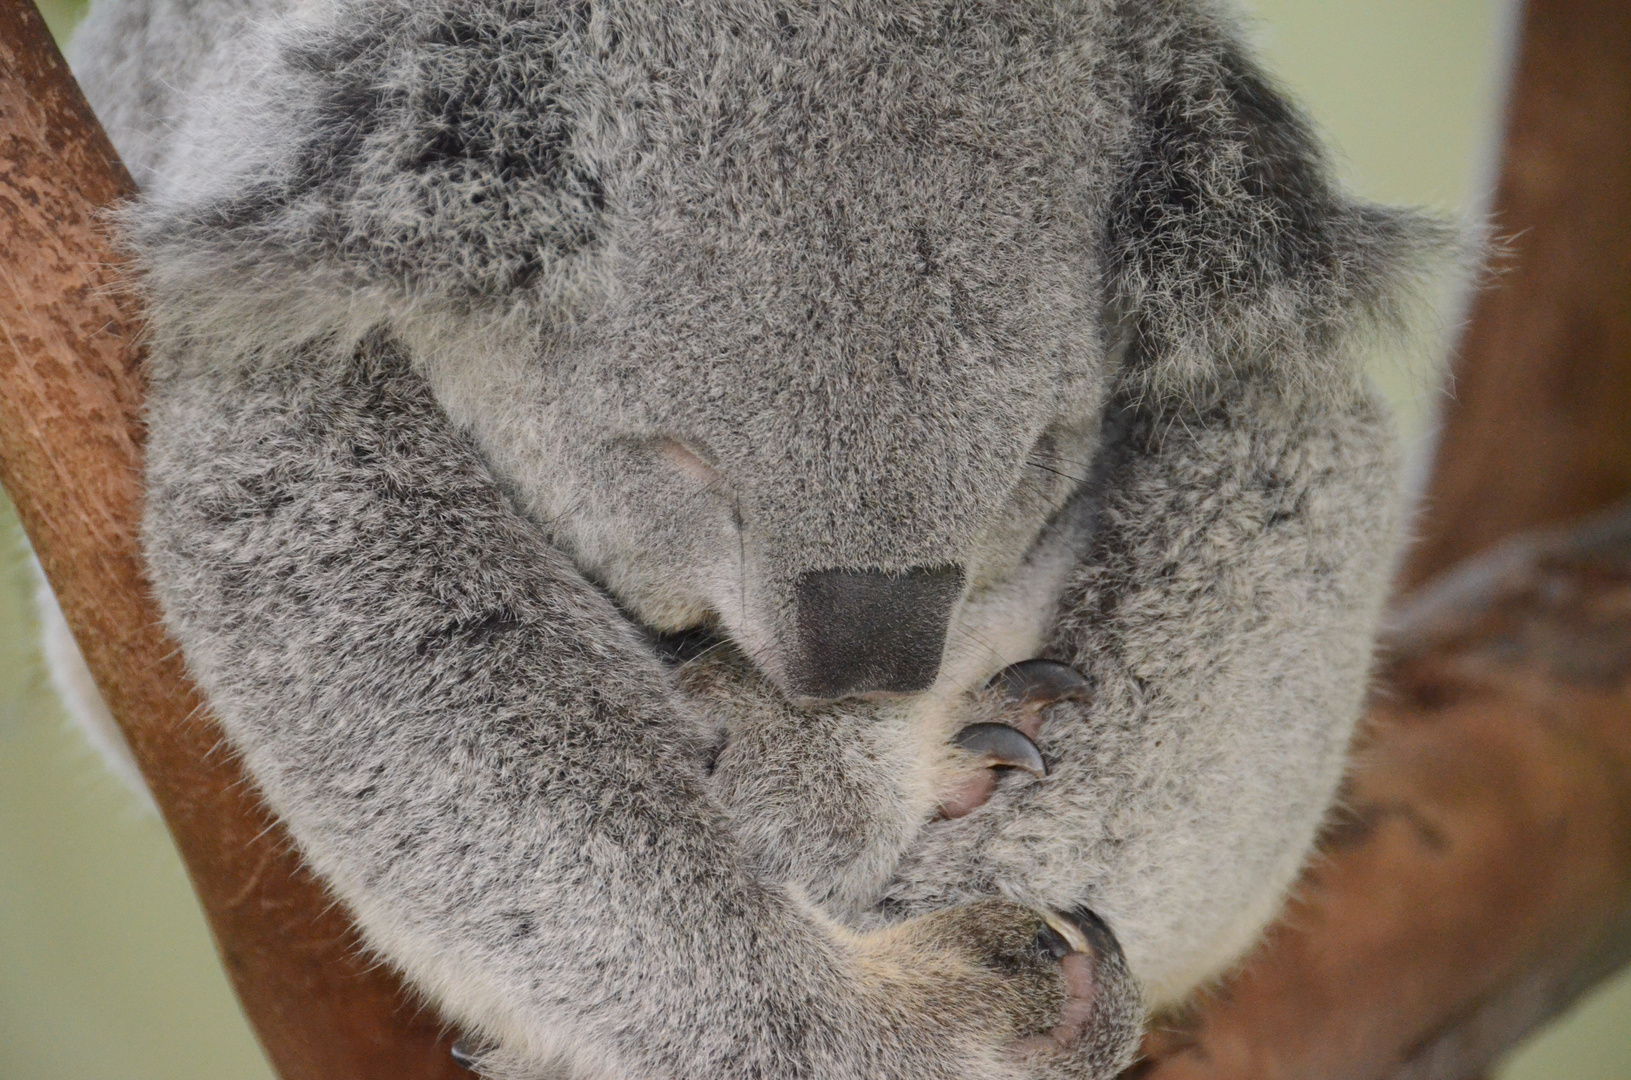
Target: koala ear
1230	249
390	158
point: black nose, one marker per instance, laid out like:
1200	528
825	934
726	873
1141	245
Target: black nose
864	632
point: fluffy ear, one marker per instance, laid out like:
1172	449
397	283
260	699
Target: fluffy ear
407	160
1231	250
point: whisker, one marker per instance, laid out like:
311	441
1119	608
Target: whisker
1081	463
722	643
1057	472
741	561
968	633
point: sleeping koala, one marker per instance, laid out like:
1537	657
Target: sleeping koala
764	539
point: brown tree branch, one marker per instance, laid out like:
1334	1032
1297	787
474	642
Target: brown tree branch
70	457
1538	433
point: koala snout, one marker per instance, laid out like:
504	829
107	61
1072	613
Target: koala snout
866	632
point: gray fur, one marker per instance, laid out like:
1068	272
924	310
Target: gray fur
487	330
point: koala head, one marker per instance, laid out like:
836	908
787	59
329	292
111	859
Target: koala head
802	309
826	445
839	355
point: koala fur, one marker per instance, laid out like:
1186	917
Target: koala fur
494	339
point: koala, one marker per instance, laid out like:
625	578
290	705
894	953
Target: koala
765	539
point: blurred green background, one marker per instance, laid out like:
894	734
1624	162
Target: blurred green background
106	969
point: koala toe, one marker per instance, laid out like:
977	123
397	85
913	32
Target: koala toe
1065	940
1102	1018
1050	983
1002	746
1030	686
1017	697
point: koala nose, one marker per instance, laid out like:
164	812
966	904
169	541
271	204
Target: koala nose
867	632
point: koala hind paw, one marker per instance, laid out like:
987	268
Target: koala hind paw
1053	989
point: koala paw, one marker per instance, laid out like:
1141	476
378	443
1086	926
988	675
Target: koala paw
1050	991
1012	706
824	800
989	988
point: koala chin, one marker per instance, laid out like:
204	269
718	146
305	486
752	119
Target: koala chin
759	538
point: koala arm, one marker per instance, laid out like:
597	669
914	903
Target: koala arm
1243	523
1224	612
486	764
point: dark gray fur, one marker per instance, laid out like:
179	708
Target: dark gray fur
486	330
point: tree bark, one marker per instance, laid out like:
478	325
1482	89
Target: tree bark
1539	429
70	457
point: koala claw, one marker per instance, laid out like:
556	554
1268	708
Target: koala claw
1033	685
1001	745
997	746
1087	954
1024	689
1038	982
1053	942
1097	935
1097	1026
463	1053
1061	939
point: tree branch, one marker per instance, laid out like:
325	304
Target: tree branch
70	457
1538	431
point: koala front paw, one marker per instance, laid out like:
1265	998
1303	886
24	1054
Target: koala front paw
1047	994
1011	709
824	800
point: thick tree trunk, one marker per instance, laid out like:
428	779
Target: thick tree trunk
70	457
1539	432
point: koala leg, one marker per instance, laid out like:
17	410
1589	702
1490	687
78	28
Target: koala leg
1224	612
825	800
487	763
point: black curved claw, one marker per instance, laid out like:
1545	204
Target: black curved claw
1052	944
1002	745
1041	682
1096	931
464	1054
